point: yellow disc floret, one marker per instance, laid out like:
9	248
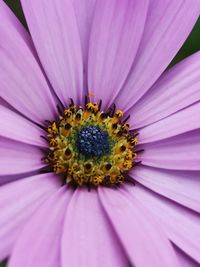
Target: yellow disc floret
91	147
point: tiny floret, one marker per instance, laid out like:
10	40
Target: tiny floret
91	147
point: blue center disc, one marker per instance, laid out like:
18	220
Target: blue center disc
92	141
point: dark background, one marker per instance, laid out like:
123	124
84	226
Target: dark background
191	45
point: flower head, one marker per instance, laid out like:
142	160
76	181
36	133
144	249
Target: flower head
99	146
91	147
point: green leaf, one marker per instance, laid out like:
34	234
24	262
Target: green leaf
3	264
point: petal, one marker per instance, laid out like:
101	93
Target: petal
6	105
17	128
88	239
16	157
84	11
180	186
179	153
5	179
11	21
139	233
116	32
54	31
185	260
183	121
180	224
176	89
47	222
165	32
22	83
18	200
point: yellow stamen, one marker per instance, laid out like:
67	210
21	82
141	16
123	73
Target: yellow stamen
66	159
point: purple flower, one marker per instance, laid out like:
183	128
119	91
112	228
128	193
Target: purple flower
115	51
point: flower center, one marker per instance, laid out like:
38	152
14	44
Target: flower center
92	141
91	147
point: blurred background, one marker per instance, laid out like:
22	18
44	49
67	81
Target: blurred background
191	45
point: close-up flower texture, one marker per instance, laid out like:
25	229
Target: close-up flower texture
99	138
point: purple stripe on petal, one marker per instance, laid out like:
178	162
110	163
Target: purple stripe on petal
165	32
47	223
54	31
88	239
16	157
141	235
116	32
18	200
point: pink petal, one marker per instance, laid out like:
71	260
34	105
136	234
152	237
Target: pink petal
5	104
185	261
181	187
22	83
5	179
11	21
179	153
55	34
139	233
17	128
176	89
165	32
16	157
183	121
47	223
88	239
84	11
18	200
116	32
180	224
